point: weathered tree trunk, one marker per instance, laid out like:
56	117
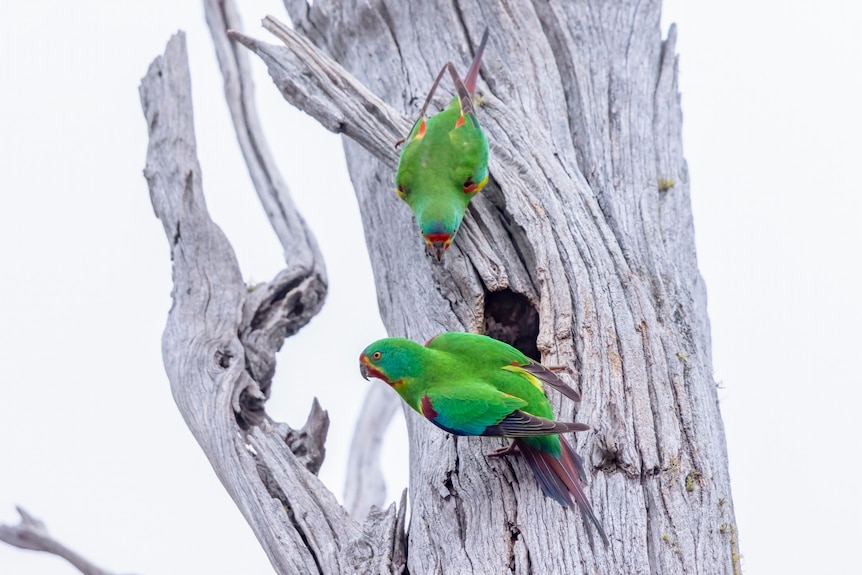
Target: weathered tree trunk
581	248
580	251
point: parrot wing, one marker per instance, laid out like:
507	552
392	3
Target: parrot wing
479	348
550	378
467	409
483	410
522	424
483	348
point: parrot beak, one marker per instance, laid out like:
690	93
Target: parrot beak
367	369
437	244
437	249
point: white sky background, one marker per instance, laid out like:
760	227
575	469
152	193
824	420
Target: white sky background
90	440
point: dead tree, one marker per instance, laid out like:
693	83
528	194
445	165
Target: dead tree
580	252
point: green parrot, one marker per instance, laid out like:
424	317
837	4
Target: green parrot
444	161
469	384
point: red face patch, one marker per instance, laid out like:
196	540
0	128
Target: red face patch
371	371
434	238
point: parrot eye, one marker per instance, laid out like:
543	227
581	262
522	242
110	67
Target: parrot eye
376	355
400	191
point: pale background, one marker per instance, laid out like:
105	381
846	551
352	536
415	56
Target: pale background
90	440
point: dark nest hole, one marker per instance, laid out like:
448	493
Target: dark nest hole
510	317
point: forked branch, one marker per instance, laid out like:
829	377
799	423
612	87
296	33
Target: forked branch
219	380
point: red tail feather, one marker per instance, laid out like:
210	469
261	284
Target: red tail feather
561	479
473	72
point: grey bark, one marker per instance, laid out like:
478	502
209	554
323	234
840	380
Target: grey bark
221	337
583	243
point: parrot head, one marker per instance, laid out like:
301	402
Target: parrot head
390	360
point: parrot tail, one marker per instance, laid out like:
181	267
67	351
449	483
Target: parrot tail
562	479
473	72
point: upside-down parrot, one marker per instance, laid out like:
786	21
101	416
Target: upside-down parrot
469	384
444	161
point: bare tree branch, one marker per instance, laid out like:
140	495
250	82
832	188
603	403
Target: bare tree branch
314	82
364	486
269	309
300	248
32	534
300	525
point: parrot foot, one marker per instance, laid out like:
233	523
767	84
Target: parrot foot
510	449
399	142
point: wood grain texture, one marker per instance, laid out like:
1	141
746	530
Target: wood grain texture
217	349
588	217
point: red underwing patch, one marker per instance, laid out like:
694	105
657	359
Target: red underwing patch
427	409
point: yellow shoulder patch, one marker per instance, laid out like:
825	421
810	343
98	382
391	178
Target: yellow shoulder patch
525	374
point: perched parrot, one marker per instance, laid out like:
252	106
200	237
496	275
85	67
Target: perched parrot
444	161
469	384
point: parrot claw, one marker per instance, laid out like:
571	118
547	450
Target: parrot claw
510	449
